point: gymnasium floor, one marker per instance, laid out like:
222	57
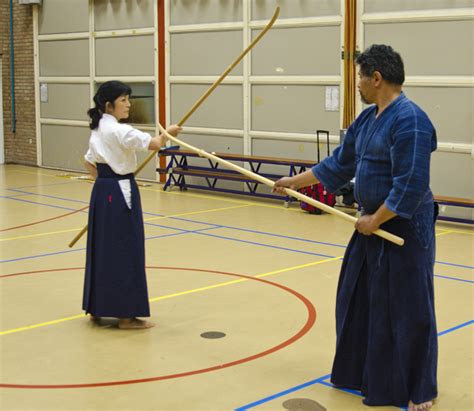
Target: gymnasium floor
263	275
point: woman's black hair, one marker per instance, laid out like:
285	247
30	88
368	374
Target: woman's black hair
385	60
108	92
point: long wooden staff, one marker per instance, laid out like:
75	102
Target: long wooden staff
381	233
218	81
201	100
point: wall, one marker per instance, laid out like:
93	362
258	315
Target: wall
272	102
20	147
81	45
435	41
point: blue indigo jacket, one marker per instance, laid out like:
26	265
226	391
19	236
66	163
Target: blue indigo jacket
389	156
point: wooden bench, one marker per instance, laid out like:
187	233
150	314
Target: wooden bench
178	168
456	202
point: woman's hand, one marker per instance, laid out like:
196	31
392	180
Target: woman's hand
174	130
91	169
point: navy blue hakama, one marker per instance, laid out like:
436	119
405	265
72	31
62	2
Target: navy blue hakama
115	279
385	316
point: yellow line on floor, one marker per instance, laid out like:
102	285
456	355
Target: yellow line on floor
21	237
30	327
164	297
37	173
197	212
468	231
444	233
463	232
297	267
196	290
283	270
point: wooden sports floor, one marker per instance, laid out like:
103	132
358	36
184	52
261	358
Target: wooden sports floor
258	275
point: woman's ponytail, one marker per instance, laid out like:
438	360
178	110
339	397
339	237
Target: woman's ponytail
95	114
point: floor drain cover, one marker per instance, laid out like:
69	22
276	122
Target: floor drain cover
302	404
212	334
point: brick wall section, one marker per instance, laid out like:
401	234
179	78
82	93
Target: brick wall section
20	147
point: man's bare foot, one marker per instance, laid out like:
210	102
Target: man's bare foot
134	324
420	407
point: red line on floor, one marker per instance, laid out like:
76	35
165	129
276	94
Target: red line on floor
311	319
43	221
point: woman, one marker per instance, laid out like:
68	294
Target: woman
115	280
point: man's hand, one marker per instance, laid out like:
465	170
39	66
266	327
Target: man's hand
367	224
282	183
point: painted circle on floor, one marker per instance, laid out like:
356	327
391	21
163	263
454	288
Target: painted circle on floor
310	320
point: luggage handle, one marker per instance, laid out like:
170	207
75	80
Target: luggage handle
318	133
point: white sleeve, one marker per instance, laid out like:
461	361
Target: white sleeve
89	157
131	138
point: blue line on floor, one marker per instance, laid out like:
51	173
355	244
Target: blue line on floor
353	392
45	185
296	238
49	196
181	232
266	233
454	278
267	245
220	226
455	265
322	380
30	257
43	204
457	327
82	249
328	384
13	196
74	201
204	223
280	394
183	229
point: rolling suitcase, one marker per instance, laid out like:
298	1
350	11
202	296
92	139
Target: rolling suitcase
317	191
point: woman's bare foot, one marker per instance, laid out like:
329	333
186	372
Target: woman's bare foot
134	324
420	407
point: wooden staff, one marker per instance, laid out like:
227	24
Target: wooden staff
218	81
201	100
381	233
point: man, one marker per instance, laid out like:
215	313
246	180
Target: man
385	318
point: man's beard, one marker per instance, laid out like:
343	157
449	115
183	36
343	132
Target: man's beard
363	99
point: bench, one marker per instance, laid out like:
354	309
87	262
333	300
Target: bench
456	202
178	168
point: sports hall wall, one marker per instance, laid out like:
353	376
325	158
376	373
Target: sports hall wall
19	146
274	101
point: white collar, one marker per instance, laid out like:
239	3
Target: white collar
109	117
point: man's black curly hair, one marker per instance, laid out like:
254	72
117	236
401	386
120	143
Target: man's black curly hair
385	60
